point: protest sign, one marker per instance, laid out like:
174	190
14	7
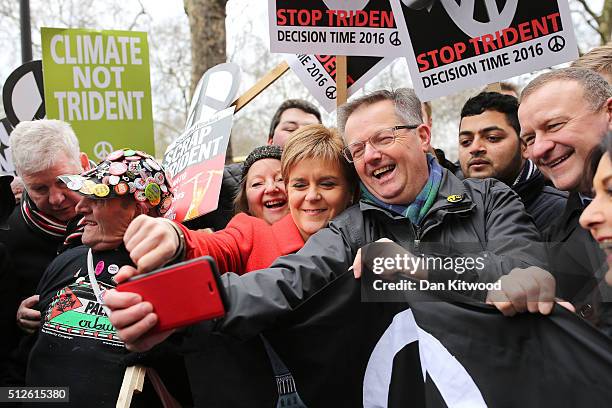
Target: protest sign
216	90
318	74
334	27
98	81
22	96
6	160
195	162
455	46
22	93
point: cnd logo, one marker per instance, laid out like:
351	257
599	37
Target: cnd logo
463	14
346	5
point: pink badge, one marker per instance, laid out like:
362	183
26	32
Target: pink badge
115	155
99	267
117	168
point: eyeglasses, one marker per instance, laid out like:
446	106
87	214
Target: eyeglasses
379	141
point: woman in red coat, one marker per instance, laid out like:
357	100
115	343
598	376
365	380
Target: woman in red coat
319	185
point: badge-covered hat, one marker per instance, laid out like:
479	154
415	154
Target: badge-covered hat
125	172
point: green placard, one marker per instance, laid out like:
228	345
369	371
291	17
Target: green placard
99	82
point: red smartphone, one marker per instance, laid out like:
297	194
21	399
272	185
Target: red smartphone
181	294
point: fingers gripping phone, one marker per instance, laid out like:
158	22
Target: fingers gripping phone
181	294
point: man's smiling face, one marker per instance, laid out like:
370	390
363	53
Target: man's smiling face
397	173
561	130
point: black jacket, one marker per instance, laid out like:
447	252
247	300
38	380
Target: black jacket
578	264
218	219
29	253
76	346
487	221
542	202
454	168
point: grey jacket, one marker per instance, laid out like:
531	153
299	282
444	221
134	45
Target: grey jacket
489	221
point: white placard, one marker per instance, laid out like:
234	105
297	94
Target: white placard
318	74
334	27
453	46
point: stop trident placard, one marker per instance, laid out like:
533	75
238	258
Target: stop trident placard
99	82
334	27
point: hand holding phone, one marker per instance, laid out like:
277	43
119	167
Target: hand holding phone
181	294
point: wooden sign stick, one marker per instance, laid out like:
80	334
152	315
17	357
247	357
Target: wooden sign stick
341	86
494	87
260	85
133	381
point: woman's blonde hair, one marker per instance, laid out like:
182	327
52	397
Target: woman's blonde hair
319	143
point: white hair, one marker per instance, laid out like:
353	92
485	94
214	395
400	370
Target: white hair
37	145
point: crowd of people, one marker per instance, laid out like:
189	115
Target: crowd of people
530	193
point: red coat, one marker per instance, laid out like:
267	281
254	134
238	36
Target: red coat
246	244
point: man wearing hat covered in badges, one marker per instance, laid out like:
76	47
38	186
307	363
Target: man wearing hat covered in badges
77	346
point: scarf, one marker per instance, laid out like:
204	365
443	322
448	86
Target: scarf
423	202
70	233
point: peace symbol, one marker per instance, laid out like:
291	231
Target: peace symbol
346	5
394	39
556	43
102	149
463	15
330	92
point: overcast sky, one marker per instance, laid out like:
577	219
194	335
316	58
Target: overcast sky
240	12
242	15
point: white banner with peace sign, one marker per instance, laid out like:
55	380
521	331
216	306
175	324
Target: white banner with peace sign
454	46
335	27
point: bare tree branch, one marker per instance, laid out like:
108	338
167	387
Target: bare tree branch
140	13
587	20
590	11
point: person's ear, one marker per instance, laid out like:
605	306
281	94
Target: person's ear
523	148
84	161
424	134
608	106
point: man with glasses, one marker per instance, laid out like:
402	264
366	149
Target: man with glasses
406	197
